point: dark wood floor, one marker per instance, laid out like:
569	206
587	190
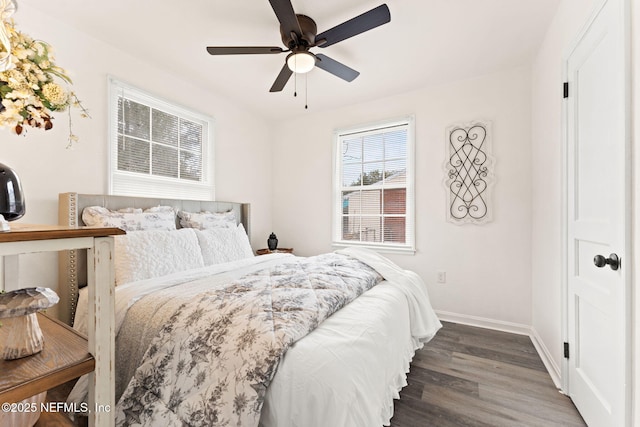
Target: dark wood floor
467	376
470	376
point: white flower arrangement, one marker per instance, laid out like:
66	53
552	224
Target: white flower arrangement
28	87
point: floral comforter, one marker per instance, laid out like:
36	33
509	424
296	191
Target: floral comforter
213	361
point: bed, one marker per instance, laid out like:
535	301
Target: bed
365	317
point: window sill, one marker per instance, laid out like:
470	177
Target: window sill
378	248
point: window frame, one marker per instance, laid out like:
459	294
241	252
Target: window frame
337	212
125	183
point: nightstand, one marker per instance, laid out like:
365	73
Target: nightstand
275	251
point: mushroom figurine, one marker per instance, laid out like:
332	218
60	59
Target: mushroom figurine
20	334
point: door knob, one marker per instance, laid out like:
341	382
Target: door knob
613	261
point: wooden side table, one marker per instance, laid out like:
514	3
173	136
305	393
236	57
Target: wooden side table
65	357
19	378
265	251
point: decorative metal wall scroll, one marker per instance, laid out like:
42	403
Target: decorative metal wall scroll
469	170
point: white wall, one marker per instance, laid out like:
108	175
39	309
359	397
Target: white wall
546	155
488	266
46	168
635	138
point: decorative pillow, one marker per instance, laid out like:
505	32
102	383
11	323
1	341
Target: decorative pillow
142	255
221	245
131	219
206	220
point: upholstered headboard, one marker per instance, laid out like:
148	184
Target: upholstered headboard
72	270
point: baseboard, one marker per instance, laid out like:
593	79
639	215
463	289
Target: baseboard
547	359
483	322
514	328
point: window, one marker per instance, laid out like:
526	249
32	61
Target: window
373	182
158	149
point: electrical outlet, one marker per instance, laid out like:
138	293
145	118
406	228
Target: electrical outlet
442	277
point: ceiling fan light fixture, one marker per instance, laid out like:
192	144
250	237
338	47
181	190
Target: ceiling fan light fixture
301	62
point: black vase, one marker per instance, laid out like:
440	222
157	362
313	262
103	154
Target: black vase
12	204
272	242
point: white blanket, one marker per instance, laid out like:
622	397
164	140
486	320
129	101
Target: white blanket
348	371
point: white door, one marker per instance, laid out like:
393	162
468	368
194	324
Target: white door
597	220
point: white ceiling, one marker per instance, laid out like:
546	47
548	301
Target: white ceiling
427	42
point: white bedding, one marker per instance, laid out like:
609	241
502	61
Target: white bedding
354	363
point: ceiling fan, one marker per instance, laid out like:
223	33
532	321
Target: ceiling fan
299	34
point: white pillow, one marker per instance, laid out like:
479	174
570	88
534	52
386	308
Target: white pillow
142	255
130	219
206	220
221	245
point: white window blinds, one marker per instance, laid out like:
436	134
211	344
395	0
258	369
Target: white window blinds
158	149
373	196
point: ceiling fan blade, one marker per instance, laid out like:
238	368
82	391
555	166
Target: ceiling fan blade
365	22
282	79
287	16
243	50
336	68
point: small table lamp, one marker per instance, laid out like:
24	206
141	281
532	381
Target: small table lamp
12	204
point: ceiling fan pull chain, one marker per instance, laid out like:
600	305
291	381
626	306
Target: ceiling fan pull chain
306	91
295	84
